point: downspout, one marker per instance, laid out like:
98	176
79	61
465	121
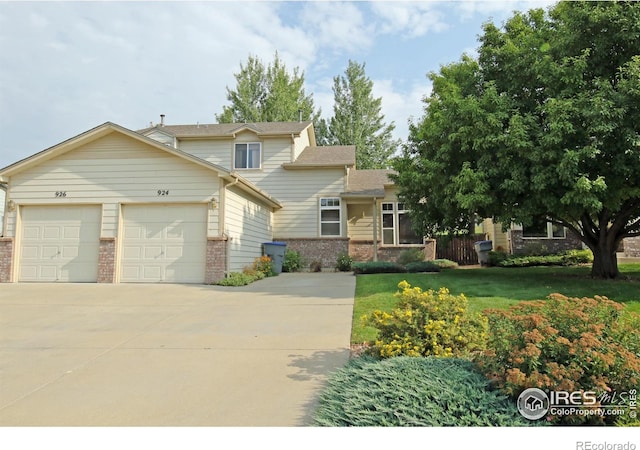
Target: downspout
227	262
375	229
3	187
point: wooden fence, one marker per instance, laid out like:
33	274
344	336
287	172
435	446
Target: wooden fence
459	248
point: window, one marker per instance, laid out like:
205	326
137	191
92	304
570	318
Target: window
544	230
247	156
330	224
397	227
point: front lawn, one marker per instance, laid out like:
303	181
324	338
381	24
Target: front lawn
493	288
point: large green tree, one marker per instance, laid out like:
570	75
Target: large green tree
545	124
358	120
268	94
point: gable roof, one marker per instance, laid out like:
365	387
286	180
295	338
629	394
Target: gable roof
108	128
230	129
368	183
326	156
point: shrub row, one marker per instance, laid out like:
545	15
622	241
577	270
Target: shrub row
568	258
262	267
370	267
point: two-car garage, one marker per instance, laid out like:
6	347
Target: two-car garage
159	243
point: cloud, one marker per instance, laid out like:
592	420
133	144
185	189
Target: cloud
337	26
412	19
401	106
67	67
499	9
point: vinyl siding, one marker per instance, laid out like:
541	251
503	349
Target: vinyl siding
495	234
300	144
248	225
217	152
299	191
275	151
162	138
360	221
112	170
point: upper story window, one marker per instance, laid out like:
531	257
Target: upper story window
544	230
330	222
247	155
397	227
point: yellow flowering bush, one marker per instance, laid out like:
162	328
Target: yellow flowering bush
427	323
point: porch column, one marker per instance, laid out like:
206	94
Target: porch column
374	216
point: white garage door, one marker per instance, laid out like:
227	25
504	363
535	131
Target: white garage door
59	243
164	243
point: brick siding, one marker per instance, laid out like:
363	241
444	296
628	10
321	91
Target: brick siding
216	264
632	247
363	251
107	260
324	250
520	244
6	258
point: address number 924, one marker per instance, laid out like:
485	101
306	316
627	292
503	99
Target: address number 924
163	192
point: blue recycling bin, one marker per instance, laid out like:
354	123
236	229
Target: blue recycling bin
275	251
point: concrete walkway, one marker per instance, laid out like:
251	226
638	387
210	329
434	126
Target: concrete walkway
171	355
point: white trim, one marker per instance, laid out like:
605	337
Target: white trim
549	235
332	207
248	150
395	213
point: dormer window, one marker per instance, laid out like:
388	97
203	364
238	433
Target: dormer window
247	155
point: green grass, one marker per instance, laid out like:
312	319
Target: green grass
494	288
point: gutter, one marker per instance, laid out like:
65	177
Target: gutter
249	187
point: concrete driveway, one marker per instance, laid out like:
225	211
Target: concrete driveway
171	355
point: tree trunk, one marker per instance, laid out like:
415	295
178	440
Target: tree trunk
605	260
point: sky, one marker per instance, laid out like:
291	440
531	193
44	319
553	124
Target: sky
66	67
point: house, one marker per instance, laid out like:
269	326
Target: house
519	239
191	203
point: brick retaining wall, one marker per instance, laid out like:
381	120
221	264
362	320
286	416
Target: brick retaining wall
363	251
324	250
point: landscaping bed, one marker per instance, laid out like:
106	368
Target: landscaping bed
576	342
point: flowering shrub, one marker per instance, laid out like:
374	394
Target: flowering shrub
427	323
264	264
344	263
564	344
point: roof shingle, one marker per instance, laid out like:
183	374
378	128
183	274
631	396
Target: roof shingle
369	182
331	155
228	129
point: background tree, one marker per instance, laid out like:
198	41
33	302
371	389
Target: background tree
357	120
544	125
268	94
